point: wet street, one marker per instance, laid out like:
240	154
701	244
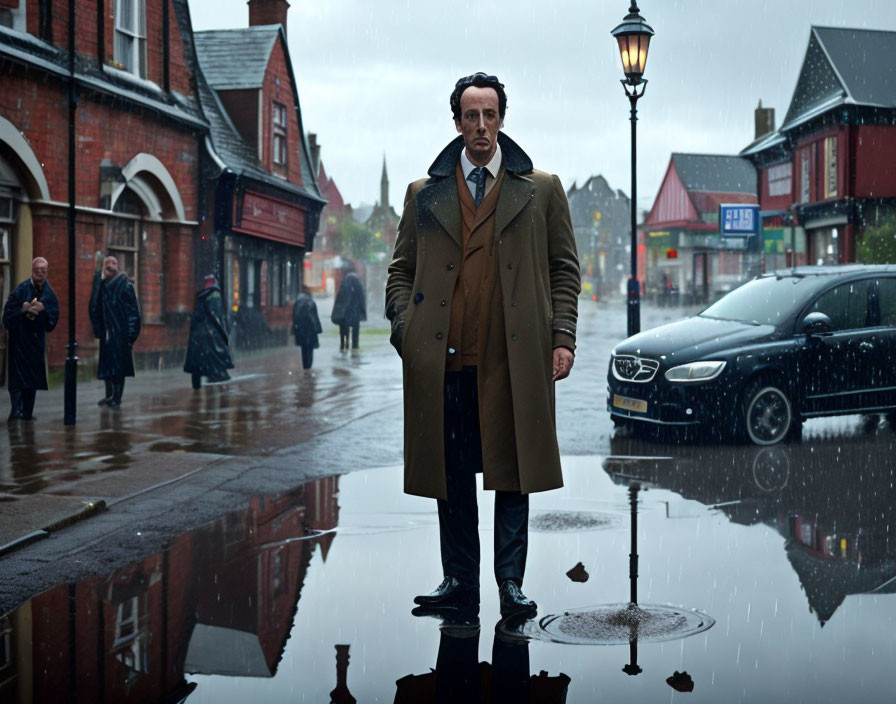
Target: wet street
267	553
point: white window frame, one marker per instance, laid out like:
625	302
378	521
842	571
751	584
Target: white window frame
830	167
18	17
279	122
805	170
779	180
130	36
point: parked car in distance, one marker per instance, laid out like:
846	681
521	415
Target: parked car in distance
786	346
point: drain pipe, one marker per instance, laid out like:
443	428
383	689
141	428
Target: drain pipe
71	360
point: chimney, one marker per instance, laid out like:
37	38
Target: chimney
765	120
268	12
314	148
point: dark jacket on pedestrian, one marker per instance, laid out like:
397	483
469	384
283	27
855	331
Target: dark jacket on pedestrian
27	344
116	324
305	322
350	307
536	298
208	353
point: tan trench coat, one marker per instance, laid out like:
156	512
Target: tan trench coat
540	282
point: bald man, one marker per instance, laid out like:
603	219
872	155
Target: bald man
31	311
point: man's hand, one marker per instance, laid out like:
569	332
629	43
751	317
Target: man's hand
563	360
36	306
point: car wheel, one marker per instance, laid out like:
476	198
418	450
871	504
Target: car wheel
767	413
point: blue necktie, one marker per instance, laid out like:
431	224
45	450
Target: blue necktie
477	176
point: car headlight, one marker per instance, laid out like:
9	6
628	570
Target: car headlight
695	371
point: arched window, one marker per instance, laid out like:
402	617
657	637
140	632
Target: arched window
123	233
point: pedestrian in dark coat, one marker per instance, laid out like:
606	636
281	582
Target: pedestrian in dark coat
208	353
306	326
116	323
31	311
349	310
482	294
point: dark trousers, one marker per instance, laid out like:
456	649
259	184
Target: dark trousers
459	514
343	335
114	388
307	356
22	403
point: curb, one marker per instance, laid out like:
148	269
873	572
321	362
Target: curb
90	508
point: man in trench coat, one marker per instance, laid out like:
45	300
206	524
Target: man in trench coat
482	296
31	311
115	317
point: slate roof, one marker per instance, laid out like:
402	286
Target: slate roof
227	142
863	61
715	173
217	48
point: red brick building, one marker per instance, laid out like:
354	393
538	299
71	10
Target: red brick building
829	170
139	127
684	222
264	201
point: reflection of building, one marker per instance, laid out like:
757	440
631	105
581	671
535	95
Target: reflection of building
825	498
138	126
221	599
828	172
260	183
601	218
681	233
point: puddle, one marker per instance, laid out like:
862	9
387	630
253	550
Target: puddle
309	594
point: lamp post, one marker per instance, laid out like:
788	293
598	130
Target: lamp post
633	36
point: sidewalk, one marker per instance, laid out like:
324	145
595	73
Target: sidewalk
52	475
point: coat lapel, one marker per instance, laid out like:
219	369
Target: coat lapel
516	192
438	201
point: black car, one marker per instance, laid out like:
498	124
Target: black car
795	344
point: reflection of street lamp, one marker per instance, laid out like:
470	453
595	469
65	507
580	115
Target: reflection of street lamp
633	36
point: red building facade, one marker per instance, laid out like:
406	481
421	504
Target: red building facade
828	171
138	127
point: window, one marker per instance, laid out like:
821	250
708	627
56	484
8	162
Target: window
830	167
276	269
12	14
279	134
887	301
779	180
130	36
846	305
804	176
122	233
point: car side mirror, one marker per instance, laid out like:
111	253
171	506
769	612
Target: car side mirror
817	323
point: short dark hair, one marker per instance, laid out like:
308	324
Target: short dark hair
480	80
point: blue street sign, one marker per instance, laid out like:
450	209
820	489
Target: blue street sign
738	220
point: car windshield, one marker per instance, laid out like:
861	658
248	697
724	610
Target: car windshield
765	301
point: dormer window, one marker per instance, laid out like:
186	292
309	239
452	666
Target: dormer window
279	134
130	36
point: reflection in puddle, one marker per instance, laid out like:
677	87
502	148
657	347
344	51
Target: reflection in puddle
273	604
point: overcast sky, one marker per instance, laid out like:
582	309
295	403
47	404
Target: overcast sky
374	78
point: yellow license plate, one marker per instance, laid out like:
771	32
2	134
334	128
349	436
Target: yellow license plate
630	404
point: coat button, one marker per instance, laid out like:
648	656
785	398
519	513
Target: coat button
449	267
514	337
438	336
451	350
514	304
510	266
418	298
443	303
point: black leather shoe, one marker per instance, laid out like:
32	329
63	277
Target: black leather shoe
514	602
14	416
450	594
104	402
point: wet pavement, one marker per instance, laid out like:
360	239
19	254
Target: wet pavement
303	591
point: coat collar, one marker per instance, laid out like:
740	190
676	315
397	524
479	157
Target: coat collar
516	161
438	199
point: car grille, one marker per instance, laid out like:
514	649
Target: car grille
627	367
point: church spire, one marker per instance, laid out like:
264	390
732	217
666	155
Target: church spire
384	186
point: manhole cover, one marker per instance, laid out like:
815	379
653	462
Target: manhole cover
613	624
559	521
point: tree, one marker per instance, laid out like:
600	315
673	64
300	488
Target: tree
353	239
878	242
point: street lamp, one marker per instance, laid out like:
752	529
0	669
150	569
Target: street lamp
633	36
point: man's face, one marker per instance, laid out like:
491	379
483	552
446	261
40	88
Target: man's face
39	271
479	123
110	267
